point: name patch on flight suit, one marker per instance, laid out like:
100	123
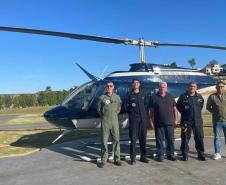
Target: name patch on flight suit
107	102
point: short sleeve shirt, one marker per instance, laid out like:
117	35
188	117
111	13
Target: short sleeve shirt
163	109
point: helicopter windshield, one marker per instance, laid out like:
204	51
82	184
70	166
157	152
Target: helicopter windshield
81	97
120	89
86	96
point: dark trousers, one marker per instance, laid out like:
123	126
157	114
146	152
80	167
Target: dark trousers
137	129
198	137
162	132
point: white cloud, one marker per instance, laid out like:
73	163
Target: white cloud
30	76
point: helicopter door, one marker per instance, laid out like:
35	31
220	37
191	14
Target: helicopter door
88	118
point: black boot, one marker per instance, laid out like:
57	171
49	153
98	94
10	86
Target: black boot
184	157
144	159
171	157
132	160
118	163
101	164
160	158
201	156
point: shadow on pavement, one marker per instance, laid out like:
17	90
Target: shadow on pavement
85	149
79	149
45	138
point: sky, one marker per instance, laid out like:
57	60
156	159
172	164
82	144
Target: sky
29	63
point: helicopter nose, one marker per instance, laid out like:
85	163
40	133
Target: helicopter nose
60	116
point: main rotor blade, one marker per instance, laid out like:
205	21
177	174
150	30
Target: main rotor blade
190	45
67	35
139	42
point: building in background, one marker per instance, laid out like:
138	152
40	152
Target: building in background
213	70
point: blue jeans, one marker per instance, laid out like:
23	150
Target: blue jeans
217	128
162	132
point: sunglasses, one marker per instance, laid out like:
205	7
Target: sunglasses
221	86
109	86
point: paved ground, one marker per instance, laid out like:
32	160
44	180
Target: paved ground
62	164
6	118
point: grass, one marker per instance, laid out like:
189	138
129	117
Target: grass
207	127
30	110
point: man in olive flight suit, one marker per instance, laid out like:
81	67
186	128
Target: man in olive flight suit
136	106
109	105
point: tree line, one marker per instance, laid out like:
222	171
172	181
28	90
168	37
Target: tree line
43	98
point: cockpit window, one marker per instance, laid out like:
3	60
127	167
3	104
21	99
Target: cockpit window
81	97
120	89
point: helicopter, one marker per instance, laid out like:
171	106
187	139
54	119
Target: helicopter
78	110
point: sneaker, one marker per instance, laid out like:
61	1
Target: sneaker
101	164
216	156
118	163
171	157
144	160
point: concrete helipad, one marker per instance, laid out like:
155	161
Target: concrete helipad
63	164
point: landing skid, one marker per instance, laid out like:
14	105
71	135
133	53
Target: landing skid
61	135
122	157
121	141
125	157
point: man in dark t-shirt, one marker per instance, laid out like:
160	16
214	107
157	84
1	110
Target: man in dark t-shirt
164	115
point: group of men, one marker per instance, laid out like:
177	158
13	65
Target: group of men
160	112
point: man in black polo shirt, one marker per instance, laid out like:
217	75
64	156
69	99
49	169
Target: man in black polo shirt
164	115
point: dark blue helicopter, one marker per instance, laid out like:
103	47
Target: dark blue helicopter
78	110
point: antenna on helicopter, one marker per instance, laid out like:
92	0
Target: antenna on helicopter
103	71
92	77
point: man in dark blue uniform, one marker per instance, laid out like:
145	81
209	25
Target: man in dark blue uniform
164	115
136	106
190	105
